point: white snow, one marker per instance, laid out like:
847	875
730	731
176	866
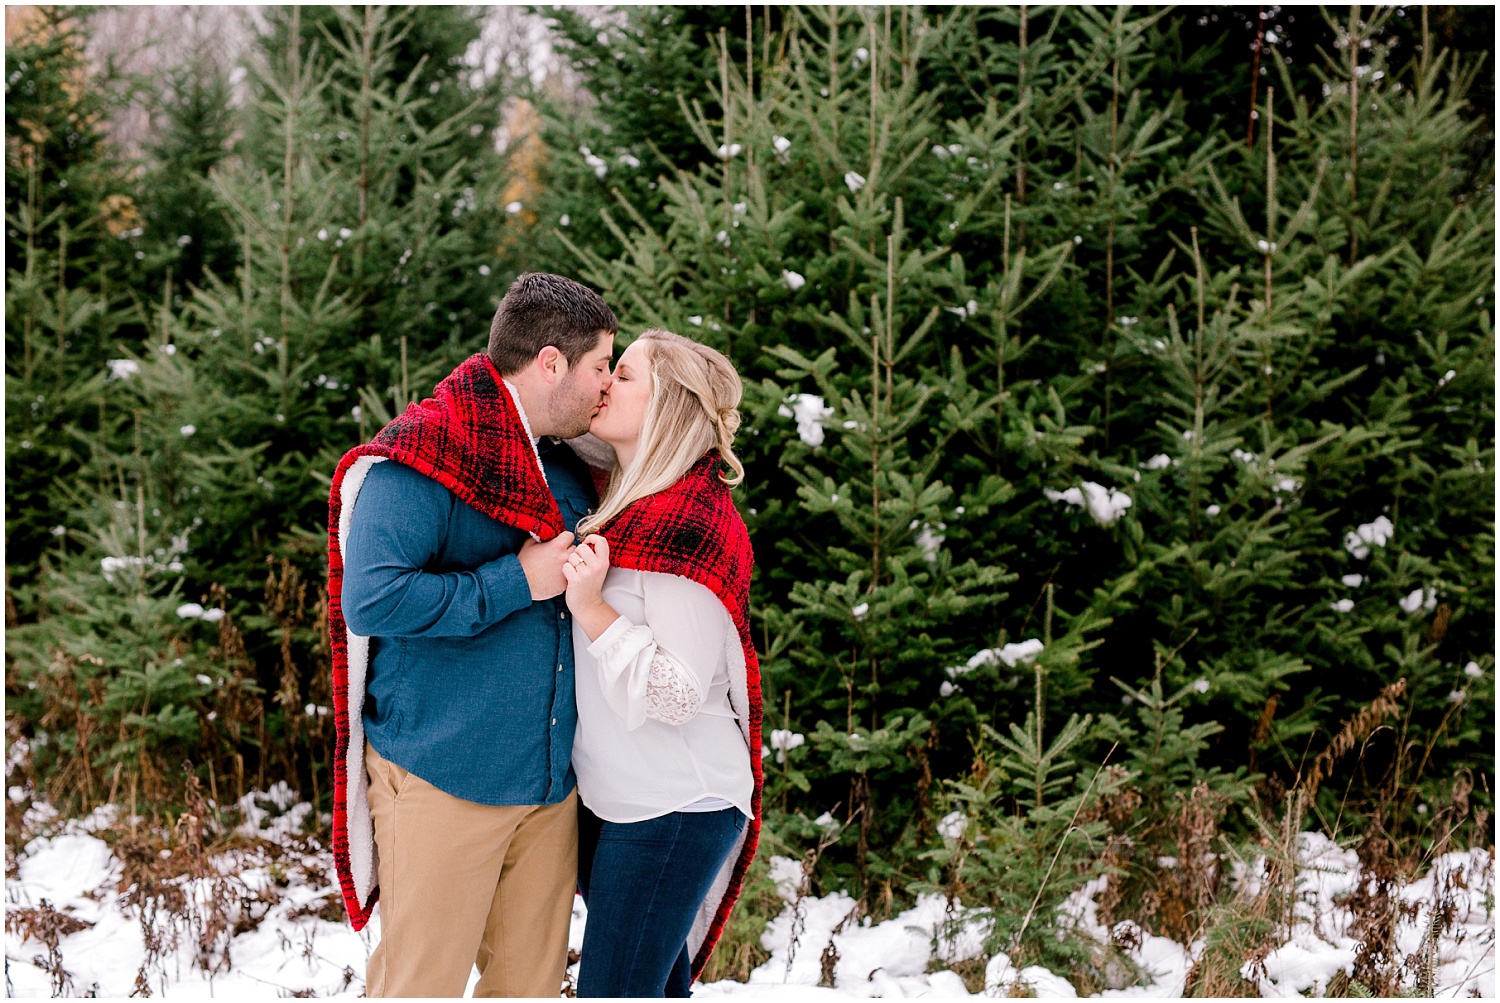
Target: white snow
1001	977
1353	581
1371	534
122	369
1418	600
1157	462
1022	653
280	881
930	542
854	181
793	280
810	413
953	825
784	741
1105	504
1013	654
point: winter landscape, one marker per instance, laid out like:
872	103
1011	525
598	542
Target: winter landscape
1118	430
264	921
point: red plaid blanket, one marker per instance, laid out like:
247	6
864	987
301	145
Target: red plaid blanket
470	438
693	530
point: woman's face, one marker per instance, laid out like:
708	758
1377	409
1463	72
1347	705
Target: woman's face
624	409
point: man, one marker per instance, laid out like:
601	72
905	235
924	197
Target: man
453	657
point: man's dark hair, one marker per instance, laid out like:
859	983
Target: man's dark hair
540	309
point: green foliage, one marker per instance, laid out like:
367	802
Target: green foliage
1019	324
190	234
1014	870
1062	386
1162	750
643	68
362	264
66	273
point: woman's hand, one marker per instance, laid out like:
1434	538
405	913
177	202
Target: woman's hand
584	569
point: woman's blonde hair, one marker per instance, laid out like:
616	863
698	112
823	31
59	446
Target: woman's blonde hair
693	407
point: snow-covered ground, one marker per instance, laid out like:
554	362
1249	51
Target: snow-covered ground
275	942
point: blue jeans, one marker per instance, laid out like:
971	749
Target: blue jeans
643	883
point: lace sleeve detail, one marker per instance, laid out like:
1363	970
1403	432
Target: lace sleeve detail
672	695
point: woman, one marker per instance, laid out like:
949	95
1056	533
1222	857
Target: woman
667	749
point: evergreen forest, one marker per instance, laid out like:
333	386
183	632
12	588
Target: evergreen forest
1119	412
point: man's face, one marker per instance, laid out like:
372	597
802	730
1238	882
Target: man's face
581	389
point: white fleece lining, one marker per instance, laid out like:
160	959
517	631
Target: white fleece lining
363	858
515	396
739	699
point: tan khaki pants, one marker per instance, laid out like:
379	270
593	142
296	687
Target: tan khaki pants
465	884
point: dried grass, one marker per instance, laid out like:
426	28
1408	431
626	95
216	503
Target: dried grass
47	925
1355	730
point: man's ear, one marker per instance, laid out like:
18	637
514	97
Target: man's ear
552	363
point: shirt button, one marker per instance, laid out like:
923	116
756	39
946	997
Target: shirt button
562	616
559	666
554	720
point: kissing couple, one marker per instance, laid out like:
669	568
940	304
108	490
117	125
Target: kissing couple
538	597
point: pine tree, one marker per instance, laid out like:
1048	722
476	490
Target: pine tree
1079	360
618	139
1306	404
358	243
66	270
801	227
188	233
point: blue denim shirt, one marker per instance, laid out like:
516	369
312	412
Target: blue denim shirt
470	684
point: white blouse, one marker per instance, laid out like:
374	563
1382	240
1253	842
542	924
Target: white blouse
656	731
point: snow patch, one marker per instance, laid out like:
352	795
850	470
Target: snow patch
1106	505
810	413
1371	534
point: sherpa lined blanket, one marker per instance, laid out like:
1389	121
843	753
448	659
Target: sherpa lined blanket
693	530
471	438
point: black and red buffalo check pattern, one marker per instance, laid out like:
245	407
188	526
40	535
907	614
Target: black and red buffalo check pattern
693	530
469	437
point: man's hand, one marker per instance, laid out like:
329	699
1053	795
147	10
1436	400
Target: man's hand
543	564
